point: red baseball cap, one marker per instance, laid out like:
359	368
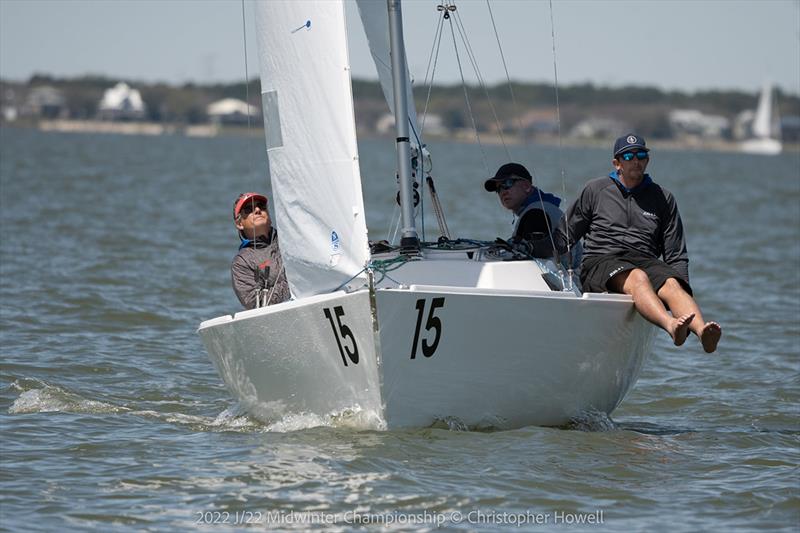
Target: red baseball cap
244	198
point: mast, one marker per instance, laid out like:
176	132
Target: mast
409	241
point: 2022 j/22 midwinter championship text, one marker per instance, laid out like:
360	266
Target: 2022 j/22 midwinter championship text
435	518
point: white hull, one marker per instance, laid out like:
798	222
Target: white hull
505	358
761	146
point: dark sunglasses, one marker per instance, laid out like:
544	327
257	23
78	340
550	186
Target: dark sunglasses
628	156
506	184
249	207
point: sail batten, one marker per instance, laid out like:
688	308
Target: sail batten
311	143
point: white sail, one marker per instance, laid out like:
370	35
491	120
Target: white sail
375	19
762	124
311	143
766	134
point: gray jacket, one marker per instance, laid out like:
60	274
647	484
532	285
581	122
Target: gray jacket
612	219
254	255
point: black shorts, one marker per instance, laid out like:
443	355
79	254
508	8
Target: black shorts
596	271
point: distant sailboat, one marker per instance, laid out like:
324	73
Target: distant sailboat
766	133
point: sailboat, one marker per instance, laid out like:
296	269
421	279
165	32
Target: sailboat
766	133
408	335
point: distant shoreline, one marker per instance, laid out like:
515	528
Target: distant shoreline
466	136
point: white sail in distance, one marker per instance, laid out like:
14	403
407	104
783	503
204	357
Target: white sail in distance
765	125
310	135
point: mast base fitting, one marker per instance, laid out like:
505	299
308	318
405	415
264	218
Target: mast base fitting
409	246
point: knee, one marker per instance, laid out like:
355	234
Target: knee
670	286
629	281
638	277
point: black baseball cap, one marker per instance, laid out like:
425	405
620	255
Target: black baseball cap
630	141
507	170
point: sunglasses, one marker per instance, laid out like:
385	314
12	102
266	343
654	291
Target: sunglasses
506	184
249	207
628	156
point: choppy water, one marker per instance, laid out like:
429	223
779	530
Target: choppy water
115	248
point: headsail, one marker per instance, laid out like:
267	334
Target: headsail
375	19
311	142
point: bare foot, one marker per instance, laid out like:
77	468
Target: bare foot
710	335
679	329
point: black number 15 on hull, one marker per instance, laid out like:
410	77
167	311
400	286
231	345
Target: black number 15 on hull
433	322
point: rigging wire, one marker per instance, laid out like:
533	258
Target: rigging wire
481	82
514	106
250	159
433	57
466	98
252	140
558	123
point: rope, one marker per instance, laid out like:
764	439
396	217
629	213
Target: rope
382	266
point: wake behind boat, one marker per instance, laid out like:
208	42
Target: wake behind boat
417	332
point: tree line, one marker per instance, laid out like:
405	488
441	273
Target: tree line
645	108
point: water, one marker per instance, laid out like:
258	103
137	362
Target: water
115	248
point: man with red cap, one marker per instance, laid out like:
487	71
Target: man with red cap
257	270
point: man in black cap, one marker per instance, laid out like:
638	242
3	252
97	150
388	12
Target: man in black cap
628	223
536	213
257	270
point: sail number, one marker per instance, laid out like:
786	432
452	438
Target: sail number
342	332
433	323
346	341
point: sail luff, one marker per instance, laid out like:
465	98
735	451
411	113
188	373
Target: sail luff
311	142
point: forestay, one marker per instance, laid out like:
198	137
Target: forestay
311	143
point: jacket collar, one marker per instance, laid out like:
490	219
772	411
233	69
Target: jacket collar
260	242
533	197
614	175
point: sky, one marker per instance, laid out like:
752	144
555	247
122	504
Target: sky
686	45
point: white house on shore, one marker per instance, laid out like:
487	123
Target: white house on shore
45	102
694	123
230	111
121	102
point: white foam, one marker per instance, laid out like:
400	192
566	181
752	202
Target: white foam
352	418
51	399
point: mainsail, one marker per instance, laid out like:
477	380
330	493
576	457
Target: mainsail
765	124
311	143
375	20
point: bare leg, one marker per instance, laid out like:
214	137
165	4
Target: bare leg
682	303
636	283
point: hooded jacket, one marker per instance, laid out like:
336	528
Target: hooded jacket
253	256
